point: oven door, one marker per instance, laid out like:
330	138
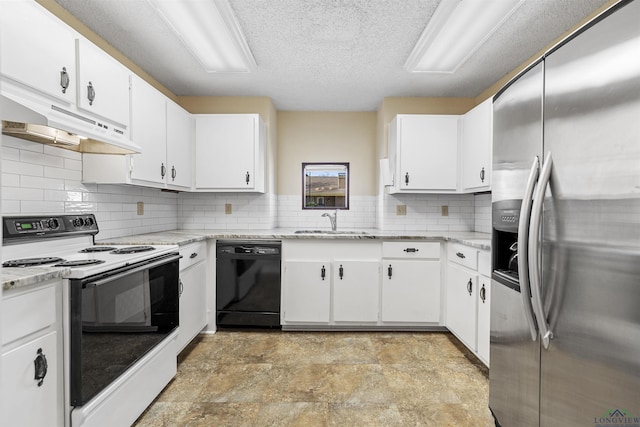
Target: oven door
116	317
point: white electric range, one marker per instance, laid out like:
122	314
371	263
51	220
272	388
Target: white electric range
120	313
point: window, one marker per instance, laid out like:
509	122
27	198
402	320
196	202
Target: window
325	186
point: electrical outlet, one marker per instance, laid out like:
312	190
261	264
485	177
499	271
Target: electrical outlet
445	210
140	208
228	208
401	209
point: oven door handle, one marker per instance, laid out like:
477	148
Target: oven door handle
145	266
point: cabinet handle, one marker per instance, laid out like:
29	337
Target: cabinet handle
411	250
483	294
163	170
323	272
193	255
91	93
173	173
482	175
40	365
181	287
341	272
64	79
406	178
460	255
470	286
389	271
247	178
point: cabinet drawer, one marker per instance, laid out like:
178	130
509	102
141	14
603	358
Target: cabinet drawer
463	255
484	263
192	254
411	250
26	313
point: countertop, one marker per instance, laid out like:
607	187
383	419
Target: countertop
16	277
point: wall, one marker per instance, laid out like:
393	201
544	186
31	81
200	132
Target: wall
327	137
39	179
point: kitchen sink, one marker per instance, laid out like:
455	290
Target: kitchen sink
361	233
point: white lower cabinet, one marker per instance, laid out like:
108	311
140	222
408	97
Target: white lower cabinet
193	292
468	297
32	382
306	291
411	282
330	282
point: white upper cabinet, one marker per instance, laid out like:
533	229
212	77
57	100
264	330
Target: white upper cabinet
230	152
477	138
179	146
423	153
103	83
149	131
37	50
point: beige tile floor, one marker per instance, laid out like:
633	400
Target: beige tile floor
324	379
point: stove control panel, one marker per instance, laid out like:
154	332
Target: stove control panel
30	227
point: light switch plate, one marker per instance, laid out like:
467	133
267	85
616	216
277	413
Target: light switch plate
140	208
228	208
445	210
401	209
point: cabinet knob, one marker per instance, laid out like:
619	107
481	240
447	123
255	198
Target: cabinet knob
91	93
482	175
470	286
64	79
483	294
41	367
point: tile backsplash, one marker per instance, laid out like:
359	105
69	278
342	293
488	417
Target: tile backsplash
39	179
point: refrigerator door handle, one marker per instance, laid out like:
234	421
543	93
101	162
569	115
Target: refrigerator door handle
523	239
534	252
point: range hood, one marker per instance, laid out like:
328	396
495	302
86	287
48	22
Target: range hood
36	118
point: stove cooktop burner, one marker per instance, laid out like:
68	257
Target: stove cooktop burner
79	263
97	249
30	262
133	250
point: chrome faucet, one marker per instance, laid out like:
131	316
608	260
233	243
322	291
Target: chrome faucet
333	218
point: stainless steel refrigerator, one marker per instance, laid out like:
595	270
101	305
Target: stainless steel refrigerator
565	311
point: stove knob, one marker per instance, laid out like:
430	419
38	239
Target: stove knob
78	222
53	223
88	221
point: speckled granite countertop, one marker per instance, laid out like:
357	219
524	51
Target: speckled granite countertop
183	237
16	277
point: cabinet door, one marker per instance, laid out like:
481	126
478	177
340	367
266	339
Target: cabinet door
226	151
410	291
461	304
484	316
149	130
37	49
179	146
306	292
193	303
23	402
355	291
105	80
428	149
476	147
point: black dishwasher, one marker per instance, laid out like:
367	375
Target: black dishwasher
248	284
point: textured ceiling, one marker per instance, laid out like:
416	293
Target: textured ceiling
327	55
